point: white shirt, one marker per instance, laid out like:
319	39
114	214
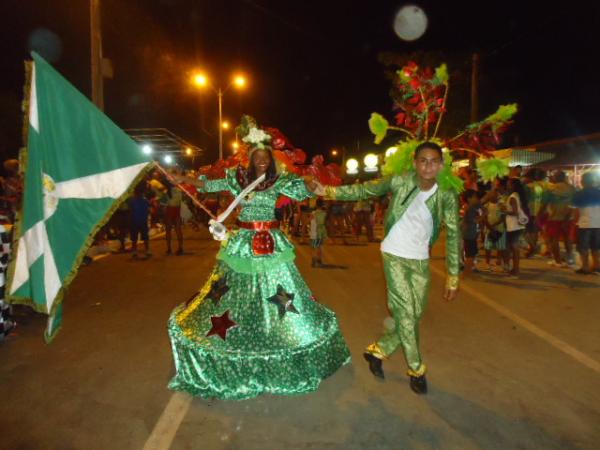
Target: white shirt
512	222
410	236
589	217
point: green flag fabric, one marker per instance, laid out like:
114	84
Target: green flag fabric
78	166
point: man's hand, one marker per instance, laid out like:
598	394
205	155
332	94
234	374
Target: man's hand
450	294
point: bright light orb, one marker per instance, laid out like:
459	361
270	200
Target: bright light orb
239	81
352	166
146	149
188	151
390	151
225	125
200	80
371	161
168	159
410	23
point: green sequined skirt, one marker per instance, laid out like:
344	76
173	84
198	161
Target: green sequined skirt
263	350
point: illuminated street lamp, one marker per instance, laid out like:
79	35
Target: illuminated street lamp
235	145
146	149
371	161
240	81
352	166
188	151
334	152
201	80
168	159
225	125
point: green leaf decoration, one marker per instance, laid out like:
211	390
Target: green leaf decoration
504	113
378	126
402	161
448	181
441	74
492	168
246	123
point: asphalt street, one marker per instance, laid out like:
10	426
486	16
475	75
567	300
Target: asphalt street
513	364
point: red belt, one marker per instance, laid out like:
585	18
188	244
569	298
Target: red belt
259	226
262	241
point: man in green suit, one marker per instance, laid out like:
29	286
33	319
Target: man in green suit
412	224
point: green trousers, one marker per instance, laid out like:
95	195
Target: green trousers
407	291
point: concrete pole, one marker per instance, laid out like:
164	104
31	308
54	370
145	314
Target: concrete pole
475	88
474	98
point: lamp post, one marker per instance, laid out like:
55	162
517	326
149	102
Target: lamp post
202	81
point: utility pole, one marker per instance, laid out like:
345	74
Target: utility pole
475	88
96	55
220	95
474	97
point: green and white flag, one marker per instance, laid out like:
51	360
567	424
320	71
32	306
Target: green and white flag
78	166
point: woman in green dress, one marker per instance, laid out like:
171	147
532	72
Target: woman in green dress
255	326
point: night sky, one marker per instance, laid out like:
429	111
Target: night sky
315	67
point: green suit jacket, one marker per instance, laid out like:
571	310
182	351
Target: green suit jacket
443	206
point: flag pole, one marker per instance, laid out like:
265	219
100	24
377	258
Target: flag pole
194	200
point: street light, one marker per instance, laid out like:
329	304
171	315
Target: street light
334	152
188	151
371	161
168	159
235	145
240	81
146	149
201	80
352	166
225	125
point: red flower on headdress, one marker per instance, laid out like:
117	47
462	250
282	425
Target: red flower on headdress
278	140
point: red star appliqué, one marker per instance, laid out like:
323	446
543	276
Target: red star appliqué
221	324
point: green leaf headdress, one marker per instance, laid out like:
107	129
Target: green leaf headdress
401	162
251	134
492	168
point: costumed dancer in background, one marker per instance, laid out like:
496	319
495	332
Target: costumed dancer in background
418	206
255	326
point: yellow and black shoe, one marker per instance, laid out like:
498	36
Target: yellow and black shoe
418	384
375	365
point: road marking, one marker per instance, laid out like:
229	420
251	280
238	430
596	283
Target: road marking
169	421
534	329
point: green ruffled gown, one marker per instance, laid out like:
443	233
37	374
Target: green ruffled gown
233	340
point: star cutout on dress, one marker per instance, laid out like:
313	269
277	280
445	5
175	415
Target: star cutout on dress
284	301
217	290
220	325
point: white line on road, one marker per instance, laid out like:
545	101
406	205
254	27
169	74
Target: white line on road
534	329
168	423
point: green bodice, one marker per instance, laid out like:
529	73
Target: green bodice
258	206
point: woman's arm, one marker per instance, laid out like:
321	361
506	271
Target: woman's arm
297	188
204	185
